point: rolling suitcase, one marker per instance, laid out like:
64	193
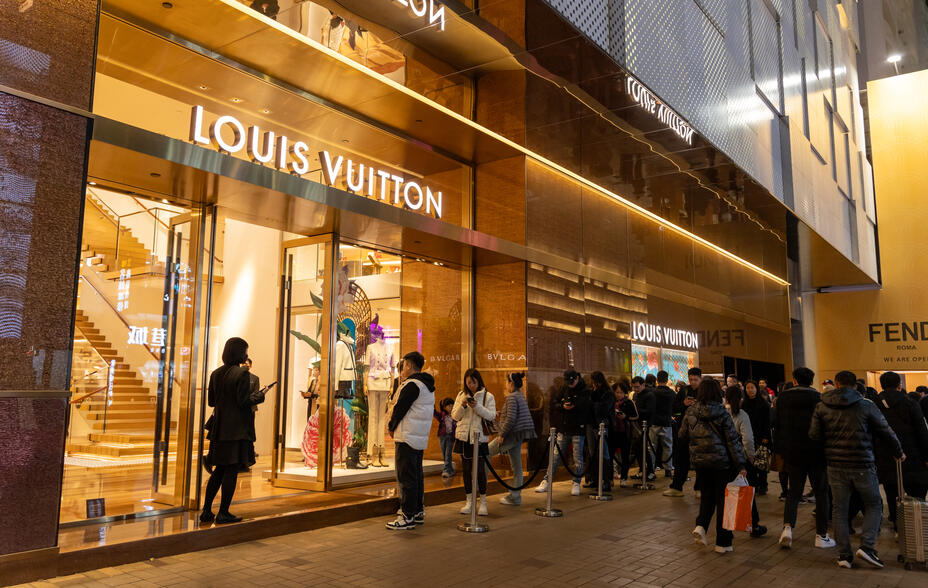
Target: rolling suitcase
912	522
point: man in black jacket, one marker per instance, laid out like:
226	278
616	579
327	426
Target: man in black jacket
906	420
803	457
686	398
661	428
847	423
645	402
573	403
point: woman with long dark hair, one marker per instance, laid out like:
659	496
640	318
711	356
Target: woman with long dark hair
715	453
757	406
231	430
603	406
734	398
626	418
472	406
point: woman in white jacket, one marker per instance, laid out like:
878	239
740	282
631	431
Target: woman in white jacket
472	406
733	397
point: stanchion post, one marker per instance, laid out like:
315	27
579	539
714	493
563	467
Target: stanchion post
599	492
473	526
548	511
644	458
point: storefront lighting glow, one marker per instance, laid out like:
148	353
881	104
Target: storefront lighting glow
364	70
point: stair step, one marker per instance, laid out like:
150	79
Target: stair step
110	449
120	413
123	424
124	437
125	382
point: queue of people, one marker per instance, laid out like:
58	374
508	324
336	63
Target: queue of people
846	441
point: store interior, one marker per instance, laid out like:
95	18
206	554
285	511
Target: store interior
130	418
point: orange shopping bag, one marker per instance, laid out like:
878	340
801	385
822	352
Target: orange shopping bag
739	498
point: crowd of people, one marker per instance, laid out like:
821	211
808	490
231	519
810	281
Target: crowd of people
845	441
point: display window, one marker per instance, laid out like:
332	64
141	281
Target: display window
647	359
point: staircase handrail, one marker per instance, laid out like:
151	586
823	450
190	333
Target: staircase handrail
84	397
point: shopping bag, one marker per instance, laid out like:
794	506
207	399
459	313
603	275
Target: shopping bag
739	498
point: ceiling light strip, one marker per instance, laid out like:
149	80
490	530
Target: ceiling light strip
245	10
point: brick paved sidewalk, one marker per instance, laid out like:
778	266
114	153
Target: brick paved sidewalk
635	540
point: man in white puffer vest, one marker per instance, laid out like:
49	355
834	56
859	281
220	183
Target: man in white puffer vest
410	425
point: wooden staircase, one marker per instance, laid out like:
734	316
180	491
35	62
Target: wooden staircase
103	250
129	420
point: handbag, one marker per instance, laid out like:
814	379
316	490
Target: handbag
739	498
762	458
490	427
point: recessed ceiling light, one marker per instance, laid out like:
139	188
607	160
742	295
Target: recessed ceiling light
203	87
167	5
345	141
92	183
155	175
236	100
265	111
165	200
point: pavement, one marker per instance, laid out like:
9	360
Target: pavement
638	539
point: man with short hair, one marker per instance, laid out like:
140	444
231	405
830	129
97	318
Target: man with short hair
803	457
732	380
645	403
846	423
906	420
681	454
410	424
573	403
662	428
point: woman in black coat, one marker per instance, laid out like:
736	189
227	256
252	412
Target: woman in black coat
231	430
717	456
756	405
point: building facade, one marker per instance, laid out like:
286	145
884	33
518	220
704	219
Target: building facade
523	185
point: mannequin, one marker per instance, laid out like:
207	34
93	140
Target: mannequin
380	363
344	366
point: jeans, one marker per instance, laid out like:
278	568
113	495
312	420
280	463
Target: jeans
577	442
712	501
515	462
410	478
798	472
662	444
447	444
843	480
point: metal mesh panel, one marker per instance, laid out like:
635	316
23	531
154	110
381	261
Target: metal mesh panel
765	51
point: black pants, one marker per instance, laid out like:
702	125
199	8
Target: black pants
619	442
410	479
891	490
681	464
754	479
798	472
226	477
712	501
467	460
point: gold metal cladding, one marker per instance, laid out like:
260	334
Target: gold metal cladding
481	133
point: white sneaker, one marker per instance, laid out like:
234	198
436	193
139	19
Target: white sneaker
575	490
624	483
482	509
508	500
824	541
543	487
699	535
466	508
786	538
720	549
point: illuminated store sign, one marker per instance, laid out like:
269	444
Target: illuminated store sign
421	8
653	105
659	335
270	148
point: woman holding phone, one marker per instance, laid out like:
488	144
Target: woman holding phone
472	406
231	429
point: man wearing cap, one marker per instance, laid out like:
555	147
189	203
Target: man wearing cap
572	403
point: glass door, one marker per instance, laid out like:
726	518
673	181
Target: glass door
303	403
178	340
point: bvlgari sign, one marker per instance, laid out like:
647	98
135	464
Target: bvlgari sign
651	103
277	150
